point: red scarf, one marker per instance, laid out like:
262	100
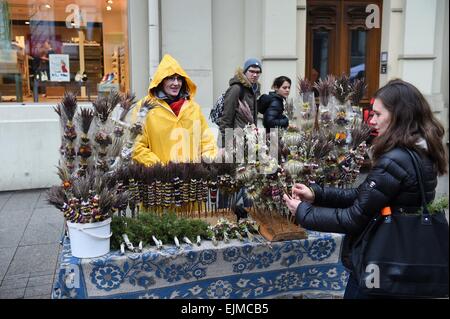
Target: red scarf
176	106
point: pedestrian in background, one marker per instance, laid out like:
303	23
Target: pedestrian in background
272	105
243	91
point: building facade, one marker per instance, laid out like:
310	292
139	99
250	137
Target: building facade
379	39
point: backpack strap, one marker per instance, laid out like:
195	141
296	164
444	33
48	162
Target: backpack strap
241	96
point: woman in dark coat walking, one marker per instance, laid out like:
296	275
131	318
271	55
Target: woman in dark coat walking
272	104
403	119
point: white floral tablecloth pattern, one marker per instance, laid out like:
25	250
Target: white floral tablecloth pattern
236	270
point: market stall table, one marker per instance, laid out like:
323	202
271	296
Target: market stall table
256	269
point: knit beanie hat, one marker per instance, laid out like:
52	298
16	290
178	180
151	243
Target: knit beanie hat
252	62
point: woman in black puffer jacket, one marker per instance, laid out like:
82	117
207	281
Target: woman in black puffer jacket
403	119
272	104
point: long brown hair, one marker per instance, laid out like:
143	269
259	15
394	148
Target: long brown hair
411	120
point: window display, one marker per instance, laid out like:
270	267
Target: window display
49	47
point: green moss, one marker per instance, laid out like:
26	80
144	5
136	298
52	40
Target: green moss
164	227
438	205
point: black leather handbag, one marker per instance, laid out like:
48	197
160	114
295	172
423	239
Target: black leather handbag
404	255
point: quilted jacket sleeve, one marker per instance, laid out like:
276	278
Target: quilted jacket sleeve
382	184
334	197
273	116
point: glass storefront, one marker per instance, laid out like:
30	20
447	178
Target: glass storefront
50	46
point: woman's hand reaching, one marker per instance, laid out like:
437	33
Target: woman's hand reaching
291	203
303	193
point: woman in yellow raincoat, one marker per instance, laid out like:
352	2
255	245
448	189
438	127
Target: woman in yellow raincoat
175	128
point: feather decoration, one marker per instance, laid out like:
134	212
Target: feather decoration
85	119
359	88
127	103
325	88
360	133
58	110
106	202
104	105
136	128
342	90
290	110
323	146
114	98
294	168
304	85
64	176
101	109
147	105
116	148
69	105
81	187
56	197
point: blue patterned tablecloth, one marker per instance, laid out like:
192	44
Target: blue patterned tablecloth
236	269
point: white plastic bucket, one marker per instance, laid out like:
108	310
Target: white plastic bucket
90	240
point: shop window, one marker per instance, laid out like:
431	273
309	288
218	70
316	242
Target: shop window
320	58
48	47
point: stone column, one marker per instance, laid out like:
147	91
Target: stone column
301	37
154	35
138	37
279	41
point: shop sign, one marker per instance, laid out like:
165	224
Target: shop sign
59	68
76	18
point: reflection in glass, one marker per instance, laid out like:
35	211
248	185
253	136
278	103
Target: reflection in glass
357	54
320	55
75	46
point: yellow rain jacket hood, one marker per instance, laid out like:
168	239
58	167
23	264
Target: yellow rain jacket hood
167	137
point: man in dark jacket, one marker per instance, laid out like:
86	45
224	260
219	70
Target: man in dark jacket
240	109
244	86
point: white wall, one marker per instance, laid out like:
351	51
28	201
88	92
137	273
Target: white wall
253	24
392	30
279	42
188	38
228	39
30	138
417	58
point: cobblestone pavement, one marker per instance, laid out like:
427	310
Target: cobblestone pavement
30	234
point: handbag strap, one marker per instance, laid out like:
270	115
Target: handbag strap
419	179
